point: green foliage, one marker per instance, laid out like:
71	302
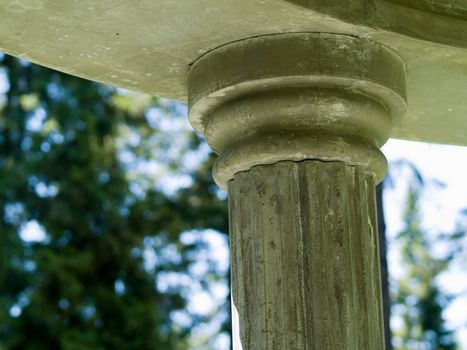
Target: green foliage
419	301
70	158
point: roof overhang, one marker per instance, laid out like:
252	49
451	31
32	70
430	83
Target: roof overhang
149	45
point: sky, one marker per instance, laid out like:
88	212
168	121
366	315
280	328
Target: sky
440	209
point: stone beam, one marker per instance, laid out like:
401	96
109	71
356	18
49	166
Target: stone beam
149	45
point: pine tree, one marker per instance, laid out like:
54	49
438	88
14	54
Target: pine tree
419	301
68	152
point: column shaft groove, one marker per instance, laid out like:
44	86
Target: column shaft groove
305	267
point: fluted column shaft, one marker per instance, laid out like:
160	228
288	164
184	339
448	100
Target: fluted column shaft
304	253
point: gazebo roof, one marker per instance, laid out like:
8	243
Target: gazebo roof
148	45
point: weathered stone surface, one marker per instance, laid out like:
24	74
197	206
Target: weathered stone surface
149	45
337	99
297	120
305	267
447	18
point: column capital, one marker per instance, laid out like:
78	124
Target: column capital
297	96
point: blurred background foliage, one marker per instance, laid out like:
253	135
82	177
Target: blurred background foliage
101	247
113	234
418	299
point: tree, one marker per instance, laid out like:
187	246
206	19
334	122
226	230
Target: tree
69	152
419	301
